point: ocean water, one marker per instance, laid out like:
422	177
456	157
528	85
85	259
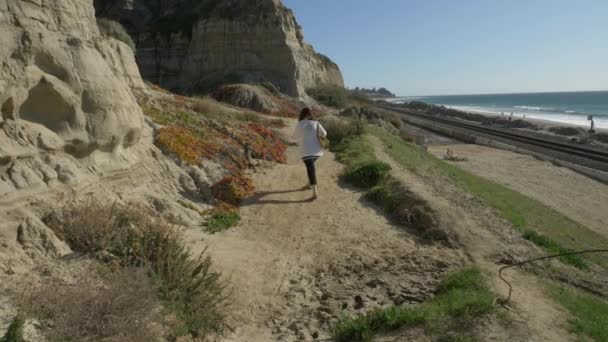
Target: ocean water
566	107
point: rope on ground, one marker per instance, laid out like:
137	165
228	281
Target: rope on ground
505	301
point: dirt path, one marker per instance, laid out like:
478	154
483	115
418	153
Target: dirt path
576	196
297	264
488	239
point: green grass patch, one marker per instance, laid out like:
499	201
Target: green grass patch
362	168
15	331
353	149
590	312
554	248
522	211
462	297
221	221
367	174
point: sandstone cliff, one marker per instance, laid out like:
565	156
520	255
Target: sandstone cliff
64	91
196	45
72	130
67	112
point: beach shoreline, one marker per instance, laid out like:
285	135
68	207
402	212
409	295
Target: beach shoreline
570	108
545	124
542	124
535	120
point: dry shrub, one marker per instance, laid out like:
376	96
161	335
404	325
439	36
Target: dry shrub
271	88
206	105
288	108
409	209
133	236
247	96
259	98
277	123
233	189
339	130
123	308
395	120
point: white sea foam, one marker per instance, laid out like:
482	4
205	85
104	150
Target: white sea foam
531	108
566	118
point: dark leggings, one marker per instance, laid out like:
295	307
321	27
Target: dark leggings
310	169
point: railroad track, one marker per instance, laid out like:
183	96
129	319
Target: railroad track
598	159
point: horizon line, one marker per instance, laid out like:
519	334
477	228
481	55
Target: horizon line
510	93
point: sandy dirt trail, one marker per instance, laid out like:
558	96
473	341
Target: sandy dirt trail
297	264
488	239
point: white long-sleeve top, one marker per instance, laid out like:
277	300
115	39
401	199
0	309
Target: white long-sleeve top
306	135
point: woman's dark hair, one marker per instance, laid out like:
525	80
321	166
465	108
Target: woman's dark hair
306	113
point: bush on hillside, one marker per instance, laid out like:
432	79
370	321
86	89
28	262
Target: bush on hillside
368	174
206	105
121	308
271	88
114	29
330	95
338	130
407	208
394	119
233	189
133	237
221	218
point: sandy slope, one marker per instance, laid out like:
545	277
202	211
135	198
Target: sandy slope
566	191
488	239
298	264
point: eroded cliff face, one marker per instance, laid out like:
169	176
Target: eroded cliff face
67	113
64	89
190	45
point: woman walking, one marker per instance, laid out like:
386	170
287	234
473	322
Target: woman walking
308	134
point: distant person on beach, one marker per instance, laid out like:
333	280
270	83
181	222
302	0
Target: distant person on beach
309	134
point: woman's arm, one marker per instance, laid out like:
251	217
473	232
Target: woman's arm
322	130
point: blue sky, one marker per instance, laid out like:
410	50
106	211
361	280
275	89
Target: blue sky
438	47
